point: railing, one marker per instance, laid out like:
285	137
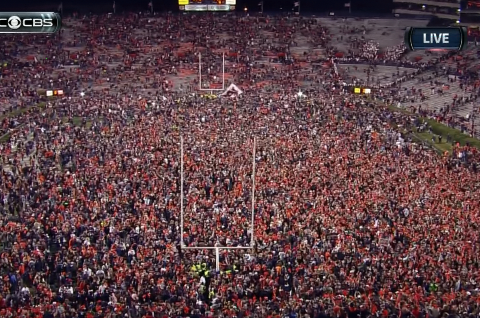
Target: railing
427	14
449	4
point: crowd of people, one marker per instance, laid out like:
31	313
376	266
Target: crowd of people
350	217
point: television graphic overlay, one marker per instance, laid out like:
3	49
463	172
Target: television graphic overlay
29	22
206	5
450	38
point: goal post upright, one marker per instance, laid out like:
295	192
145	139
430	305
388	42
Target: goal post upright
181	191
223	71
217	251
252	242
216	248
200	75
200	71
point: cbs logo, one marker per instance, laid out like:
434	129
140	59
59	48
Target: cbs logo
14	22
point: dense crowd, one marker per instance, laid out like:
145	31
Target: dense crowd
351	218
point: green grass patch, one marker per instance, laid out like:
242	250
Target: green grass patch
440	147
457	135
15	113
20	111
439	129
77	121
5	138
398	110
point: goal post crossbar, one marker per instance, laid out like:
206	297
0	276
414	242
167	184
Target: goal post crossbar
216	248
217	251
200	75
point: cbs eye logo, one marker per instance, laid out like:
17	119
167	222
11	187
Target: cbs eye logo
14	22
29	22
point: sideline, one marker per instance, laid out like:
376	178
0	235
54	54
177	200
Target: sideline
17	112
439	129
